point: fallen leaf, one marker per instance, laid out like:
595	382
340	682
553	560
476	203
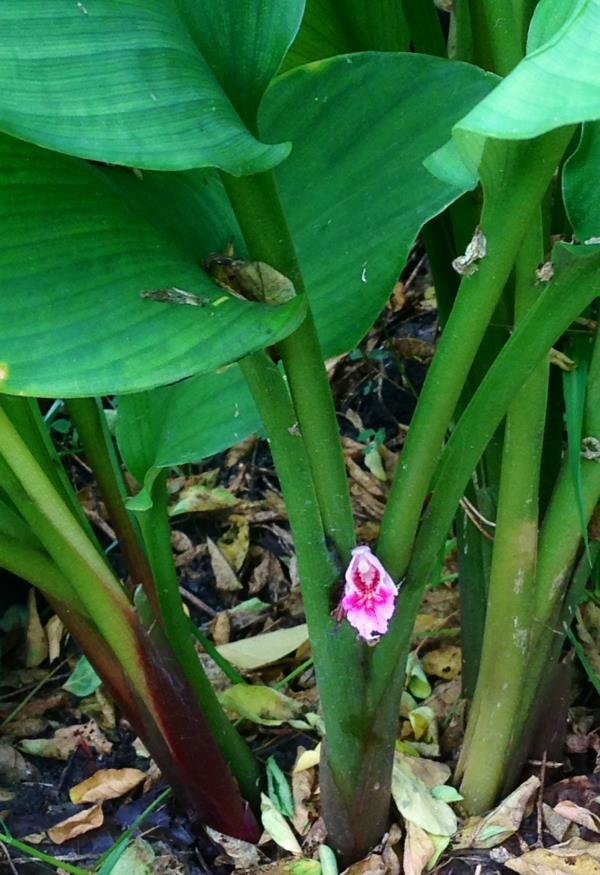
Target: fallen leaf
371	865
446	793
430	772
13	766
83	680
200	498
259	704
556	825
225	576
277	827
243	854
137	859
444	662
374	463
259	650
266	572
77	824
419	850
36	645
416	804
309	758
421	720
66	740
417	682
234	543
577	814
502	822
240	451
220	628
54	633
575	856
106	784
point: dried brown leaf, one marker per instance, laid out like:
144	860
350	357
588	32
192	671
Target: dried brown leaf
36	642
66	740
225	577
77	824
106	784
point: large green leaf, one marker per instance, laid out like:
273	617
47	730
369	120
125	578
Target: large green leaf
556	84
124	82
355	189
244	42
74	261
182	423
333	27
581	184
355	193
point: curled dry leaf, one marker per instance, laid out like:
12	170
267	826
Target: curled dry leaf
106	784
503	821
77	824
577	814
243	854
66	740
54	633
576	857
224	574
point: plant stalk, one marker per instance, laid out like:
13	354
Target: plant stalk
498	695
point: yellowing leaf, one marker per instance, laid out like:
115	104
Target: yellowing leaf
199	498
54	633
308	759
66	740
251	653
260	704
137	859
83	821
576	857
106	784
224	573
503	821
444	662
37	643
236	540
277	827
416	804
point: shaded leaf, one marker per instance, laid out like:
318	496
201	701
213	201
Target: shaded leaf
415	803
277	827
279	790
225	577
580	181
83	680
259	704
77	824
106	784
259	650
121	83
66	740
137	859
36	641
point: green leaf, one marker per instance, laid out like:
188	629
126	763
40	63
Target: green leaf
83	680
417	805
416	679
326	30
123	83
243	42
185	422
260	704
581	183
354	188
556	84
446	793
72	319
279	789
277	827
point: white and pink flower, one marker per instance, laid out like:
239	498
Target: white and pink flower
369	595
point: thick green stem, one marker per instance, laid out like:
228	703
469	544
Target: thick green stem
157	536
497	35
90	422
514	186
37	567
359	741
498	696
262	220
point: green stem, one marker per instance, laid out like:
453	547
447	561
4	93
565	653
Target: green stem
424	25
498	696
358	750
90	422
37	567
258	209
226	667
156	531
514	188
497	37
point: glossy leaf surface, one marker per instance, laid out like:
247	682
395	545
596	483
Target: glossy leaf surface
75	259
581	184
124	82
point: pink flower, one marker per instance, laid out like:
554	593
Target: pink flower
369	595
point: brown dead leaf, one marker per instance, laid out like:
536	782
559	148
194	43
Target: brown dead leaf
268	571
444	662
66	740
419	849
181	542
432	773
556	825
502	822
83	821
303	785
243	854
234	543
54	633
224	575
106	784
240	451
371	865
13	766
36	645
577	814
576	857
197	497
220	628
